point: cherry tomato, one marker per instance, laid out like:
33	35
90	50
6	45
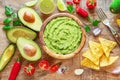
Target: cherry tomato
29	69
91	4
54	68
69	3
76	1
44	65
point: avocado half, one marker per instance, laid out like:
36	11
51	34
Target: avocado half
36	25
26	46
16	32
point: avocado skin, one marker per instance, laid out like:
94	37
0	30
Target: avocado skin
21	41
11	56
115	6
23	29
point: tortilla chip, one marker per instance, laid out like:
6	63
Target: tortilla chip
87	63
107	46
105	61
96	49
118	22
88	54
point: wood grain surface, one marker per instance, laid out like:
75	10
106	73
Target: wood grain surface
71	64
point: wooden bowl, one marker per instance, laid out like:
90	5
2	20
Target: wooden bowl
53	54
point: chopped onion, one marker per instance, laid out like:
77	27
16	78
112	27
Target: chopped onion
96	31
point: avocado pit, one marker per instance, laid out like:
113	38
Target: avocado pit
29	50
29	17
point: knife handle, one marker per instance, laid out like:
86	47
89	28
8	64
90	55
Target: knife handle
115	34
117	38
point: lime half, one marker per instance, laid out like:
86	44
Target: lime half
31	3
47	6
61	5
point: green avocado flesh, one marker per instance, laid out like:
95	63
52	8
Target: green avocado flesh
16	32
35	25
62	35
6	56
28	49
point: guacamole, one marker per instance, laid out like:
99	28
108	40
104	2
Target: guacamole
62	35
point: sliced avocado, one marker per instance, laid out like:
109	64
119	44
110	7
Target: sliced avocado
28	49
36	22
16	32
6	56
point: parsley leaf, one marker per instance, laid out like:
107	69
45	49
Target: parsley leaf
17	23
96	22
8	11
87	28
70	8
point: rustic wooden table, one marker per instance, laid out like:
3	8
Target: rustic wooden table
71	64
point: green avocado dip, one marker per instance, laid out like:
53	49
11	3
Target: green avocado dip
62	35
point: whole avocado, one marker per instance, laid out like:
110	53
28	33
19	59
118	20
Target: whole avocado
115	6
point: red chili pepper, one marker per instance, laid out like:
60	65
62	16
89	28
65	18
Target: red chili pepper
91	4
15	70
54	67
69	3
44	65
81	12
29	69
76	1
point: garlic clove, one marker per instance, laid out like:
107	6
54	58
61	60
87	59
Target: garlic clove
96	31
78	71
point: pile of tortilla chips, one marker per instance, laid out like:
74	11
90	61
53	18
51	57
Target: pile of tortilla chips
99	54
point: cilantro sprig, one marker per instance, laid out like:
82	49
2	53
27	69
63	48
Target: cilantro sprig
70	8
12	18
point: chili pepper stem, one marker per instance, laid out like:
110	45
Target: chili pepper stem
18	59
89	18
92	1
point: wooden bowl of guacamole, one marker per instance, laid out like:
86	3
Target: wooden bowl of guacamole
62	36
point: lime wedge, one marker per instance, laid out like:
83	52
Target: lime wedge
31	3
47	6
61	5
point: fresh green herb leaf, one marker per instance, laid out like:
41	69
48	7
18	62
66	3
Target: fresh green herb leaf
70	8
17	23
8	11
7	27
14	16
89	18
87	28
96	22
7	21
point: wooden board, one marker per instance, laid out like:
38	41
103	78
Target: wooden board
71	64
